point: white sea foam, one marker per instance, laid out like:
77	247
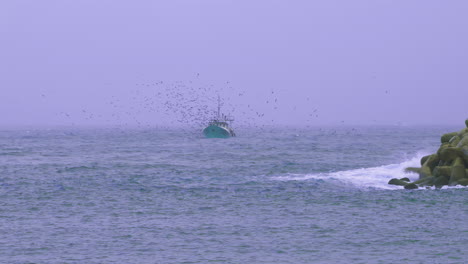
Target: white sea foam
374	177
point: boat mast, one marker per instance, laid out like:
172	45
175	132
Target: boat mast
219	107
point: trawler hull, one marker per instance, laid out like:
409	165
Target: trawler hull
214	131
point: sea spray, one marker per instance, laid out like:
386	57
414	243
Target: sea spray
373	177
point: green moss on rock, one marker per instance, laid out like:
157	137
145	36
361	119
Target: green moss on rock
428	181
442	171
463	132
424	159
447	167
448	154
446	137
463	182
458	171
441	181
454	141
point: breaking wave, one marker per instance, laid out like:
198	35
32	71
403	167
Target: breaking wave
373	177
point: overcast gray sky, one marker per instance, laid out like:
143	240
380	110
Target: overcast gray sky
109	62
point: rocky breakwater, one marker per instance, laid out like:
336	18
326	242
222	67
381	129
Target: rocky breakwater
446	167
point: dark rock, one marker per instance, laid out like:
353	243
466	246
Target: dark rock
411	186
428	181
440	181
396	181
463	181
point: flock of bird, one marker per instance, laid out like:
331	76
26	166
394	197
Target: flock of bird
191	104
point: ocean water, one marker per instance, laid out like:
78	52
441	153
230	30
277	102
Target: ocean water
279	195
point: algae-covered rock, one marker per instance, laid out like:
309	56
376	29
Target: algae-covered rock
396	181
443	163
411	186
448	154
428	181
453	142
405	179
444	171
424	159
449	166
426	169
425	172
463	182
463	132
458	171
463	139
430	163
446	137
440	181
463	146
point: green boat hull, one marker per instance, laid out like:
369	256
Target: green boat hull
216	132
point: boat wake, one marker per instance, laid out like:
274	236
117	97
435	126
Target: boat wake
374	177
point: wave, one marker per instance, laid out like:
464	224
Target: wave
374	177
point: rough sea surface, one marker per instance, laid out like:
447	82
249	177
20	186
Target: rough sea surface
280	195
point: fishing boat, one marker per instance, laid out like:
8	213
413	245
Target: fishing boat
219	126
